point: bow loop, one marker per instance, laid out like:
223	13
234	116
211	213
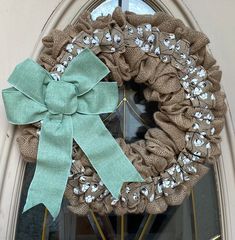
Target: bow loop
21	109
30	78
85	71
99	99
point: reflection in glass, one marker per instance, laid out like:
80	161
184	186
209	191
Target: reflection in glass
108	6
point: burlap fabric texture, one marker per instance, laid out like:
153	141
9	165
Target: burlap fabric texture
172	61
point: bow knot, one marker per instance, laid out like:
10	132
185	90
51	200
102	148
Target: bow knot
61	97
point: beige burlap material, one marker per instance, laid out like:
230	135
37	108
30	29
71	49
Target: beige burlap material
163	146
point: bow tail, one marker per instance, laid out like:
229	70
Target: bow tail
104	153
53	163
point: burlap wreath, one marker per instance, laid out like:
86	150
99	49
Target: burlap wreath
171	60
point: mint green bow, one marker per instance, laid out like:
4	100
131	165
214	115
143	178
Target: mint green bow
68	109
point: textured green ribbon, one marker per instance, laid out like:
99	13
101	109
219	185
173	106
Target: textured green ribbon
69	109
